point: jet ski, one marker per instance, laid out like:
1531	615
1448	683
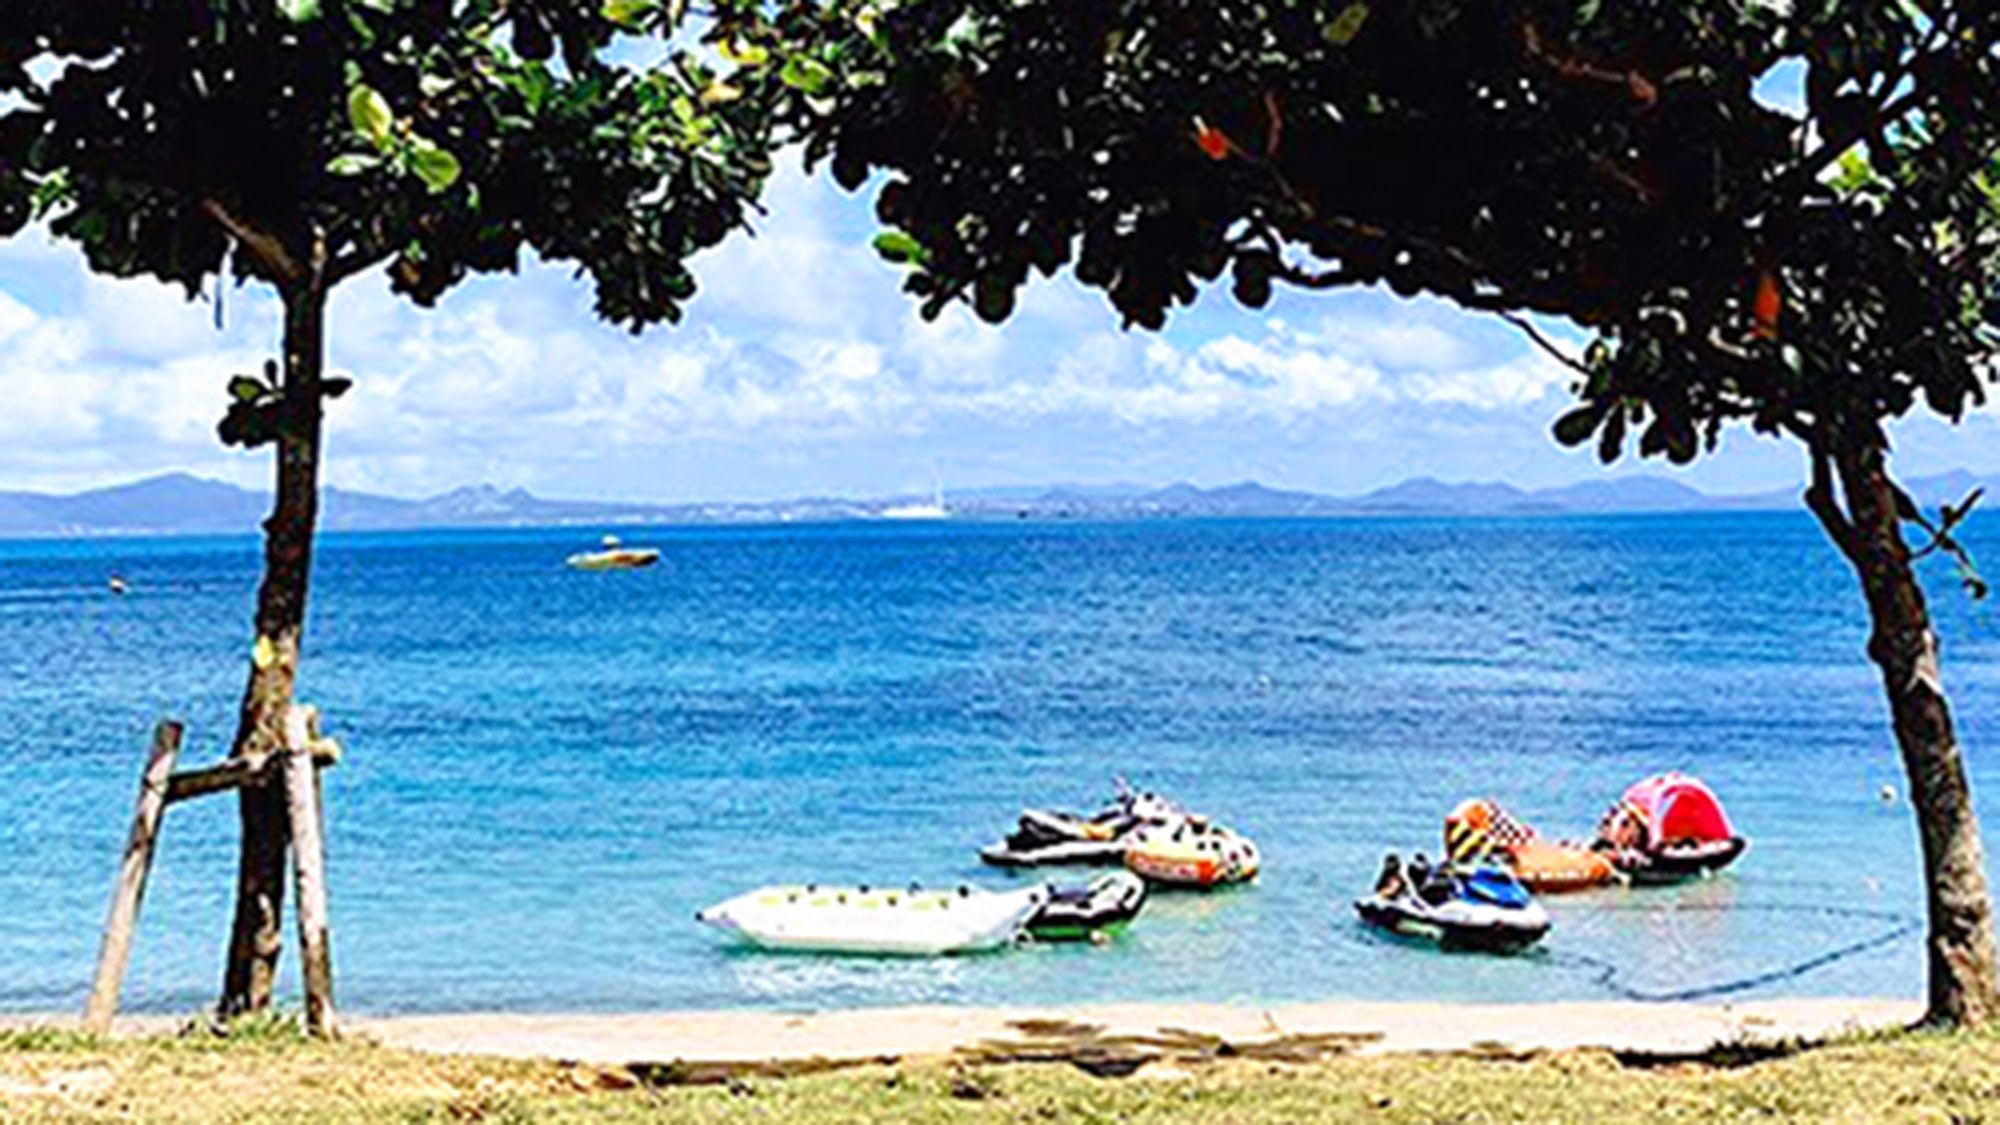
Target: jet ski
1191	851
1048	837
1483	908
1087	911
911	923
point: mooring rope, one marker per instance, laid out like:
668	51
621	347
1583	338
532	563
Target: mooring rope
1608	973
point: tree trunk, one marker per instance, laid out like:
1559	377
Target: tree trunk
257	935
1963	989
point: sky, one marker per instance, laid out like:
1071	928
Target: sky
801	369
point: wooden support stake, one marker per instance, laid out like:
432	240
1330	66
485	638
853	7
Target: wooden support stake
309	869
237	772
130	891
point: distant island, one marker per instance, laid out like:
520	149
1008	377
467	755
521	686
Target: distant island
181	503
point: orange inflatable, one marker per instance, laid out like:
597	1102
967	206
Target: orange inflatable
1480	829
1545	868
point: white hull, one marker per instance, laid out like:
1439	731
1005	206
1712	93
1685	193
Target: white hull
1456	922
891	922
1075	851
630	558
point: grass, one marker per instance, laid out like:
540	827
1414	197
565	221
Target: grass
273	1075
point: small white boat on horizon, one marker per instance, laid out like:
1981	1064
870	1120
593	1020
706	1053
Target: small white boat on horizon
905	923
614	556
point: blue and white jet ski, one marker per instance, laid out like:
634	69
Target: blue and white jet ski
1484	908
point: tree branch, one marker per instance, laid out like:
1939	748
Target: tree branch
1877	119
1546	344
347	265
269	253
1640	88
1819	496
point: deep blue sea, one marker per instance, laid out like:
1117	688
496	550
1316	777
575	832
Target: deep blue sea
549	771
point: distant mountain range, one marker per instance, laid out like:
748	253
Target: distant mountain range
179	503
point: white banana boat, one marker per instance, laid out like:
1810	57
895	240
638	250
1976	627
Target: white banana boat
910	922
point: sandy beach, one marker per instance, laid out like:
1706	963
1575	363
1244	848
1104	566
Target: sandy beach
720	1037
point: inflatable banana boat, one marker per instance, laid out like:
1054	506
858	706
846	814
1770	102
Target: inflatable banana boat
912	922
1191	852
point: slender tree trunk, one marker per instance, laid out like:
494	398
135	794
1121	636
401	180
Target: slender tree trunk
257	935
1963	990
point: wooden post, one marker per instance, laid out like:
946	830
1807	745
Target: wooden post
130	890
309	869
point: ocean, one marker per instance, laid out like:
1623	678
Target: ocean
548	772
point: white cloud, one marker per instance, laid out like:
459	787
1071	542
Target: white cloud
141	318
1397	344
1524	381
75	412
792	269
34	246
799	359
15	318
954	351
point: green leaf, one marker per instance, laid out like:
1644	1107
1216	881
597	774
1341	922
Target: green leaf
1253	279
336	385
720	93
432	85
743	54
247	388
370	114
1576	427
1611	441
353	164
629	14
249	424
966	34
1341	30
899	247
50	192
805	74
437	168
299	11
993	298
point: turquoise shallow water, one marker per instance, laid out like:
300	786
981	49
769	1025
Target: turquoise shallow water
549	771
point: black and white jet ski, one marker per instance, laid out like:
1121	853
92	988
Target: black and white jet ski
1048	837
1484	908
1090	911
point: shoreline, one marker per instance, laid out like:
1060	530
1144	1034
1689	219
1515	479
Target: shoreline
1136	1030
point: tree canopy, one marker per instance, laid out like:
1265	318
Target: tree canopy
1606	163
440	136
